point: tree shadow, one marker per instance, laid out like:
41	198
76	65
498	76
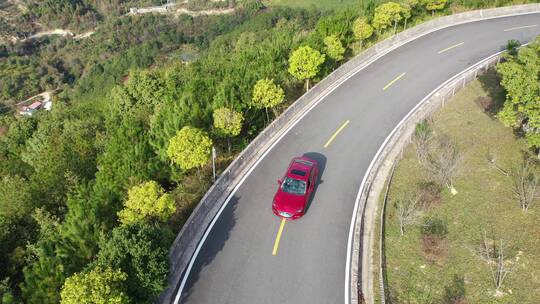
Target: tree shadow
490	82
215	242
321	161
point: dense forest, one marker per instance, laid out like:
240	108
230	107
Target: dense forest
93	192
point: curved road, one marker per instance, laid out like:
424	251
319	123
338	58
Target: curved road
236	264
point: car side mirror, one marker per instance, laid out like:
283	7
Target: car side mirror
279	181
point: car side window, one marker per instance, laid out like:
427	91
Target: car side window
312	176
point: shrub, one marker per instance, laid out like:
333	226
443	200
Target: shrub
423	135
434	226
454	293
512	46
430	194
434	243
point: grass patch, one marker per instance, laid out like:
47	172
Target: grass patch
435	260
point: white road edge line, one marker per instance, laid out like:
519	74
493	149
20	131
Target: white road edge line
298	119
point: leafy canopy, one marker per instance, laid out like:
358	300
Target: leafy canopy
334	48
145	202
305	62
95	287
267	94
190	148
140	251
521	79
228	122
338	24
15	199
433	5
386	14
362	29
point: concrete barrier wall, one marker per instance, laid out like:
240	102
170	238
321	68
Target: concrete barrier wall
189	237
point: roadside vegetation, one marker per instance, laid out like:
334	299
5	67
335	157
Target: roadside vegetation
463	207
320	4
92	193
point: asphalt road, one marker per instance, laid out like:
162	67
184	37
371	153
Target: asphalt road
236	265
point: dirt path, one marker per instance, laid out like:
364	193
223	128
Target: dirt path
209	12
84	35
59	32
45	95
170	9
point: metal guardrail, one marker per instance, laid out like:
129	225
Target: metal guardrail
400	138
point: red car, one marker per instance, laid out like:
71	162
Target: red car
295	188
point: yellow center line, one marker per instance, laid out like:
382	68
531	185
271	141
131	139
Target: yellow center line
451	47
393	81
336	133
520	27
278	237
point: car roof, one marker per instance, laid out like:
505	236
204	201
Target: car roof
299	166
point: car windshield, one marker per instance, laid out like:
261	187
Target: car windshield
293	186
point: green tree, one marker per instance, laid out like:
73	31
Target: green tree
141	251
414	5
15	199
78	234
169	117
304	63
146	87
62	248
434	5
267	94
520	78
190	148
45	273
228	123
8	298
62	149
362	29
334	48
145	202
6	292
96	286
338	24
12	144
16	225
387	14
127	159
406	12
44	277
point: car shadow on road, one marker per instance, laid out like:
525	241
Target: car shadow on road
214	243
321	161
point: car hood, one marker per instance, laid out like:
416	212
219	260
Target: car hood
289	202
